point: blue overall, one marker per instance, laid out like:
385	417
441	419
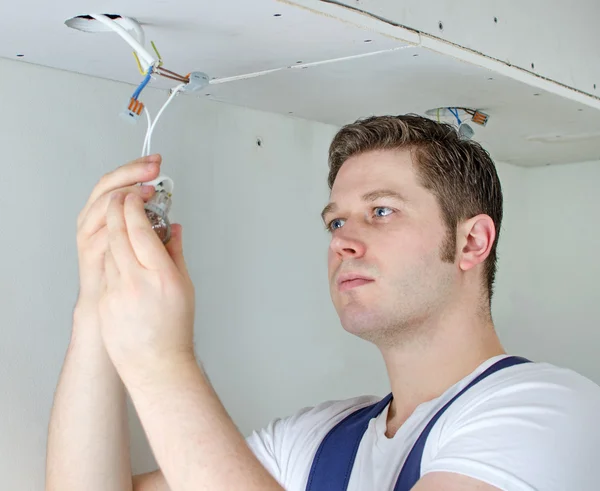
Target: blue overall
332	465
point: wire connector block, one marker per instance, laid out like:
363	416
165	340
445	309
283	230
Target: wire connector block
197	81
133	111
480	118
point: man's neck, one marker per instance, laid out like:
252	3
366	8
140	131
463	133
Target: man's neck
424	367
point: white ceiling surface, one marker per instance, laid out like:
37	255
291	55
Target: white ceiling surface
233	37
546	38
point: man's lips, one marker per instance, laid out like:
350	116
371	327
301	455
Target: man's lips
348	281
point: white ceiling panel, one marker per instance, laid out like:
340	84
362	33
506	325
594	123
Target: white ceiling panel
528	126
540	37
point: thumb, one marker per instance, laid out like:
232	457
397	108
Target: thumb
175	248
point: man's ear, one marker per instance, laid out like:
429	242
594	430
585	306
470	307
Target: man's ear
475	239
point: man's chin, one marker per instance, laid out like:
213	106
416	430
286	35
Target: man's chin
373	326
359	322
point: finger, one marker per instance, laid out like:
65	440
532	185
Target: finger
175	248
118	238
96	246
110	269
96	215
143	169
149	249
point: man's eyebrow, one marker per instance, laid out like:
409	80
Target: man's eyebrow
383	193
370	196
328	209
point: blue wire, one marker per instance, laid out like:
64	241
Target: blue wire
138	91
455	113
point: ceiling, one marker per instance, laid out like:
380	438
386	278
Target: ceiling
528	126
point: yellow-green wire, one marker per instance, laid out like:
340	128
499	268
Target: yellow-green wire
156	51
138	60
138	63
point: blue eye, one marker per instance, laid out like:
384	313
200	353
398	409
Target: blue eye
382	211
335	224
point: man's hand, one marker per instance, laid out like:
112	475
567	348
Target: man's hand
147	310
92	234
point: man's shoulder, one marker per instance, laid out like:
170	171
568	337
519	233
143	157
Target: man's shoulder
539	384
303	430
286	445
528	426
330	412
544	376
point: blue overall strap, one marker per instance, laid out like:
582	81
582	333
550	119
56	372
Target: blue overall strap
332	465
411	471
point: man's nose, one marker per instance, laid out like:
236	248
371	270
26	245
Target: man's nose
347	244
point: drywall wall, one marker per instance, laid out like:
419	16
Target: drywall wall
254	245
554	254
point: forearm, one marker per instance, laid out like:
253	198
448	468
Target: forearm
196	444
88	436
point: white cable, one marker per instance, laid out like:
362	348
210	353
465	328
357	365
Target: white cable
133	25
149	134
165	182
300	66
146	57
144	154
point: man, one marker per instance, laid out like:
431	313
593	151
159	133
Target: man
414	216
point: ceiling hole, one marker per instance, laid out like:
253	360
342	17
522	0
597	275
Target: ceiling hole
496	20
441	26
89	17
536	94
491	78
21	56
580	110
207	94
259	142
299	61
368	40
533	66
277	15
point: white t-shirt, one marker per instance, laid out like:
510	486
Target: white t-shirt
528	427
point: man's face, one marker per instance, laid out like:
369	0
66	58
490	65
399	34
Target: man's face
386	272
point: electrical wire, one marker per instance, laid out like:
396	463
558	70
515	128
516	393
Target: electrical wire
137	59
455	113
148	140
173	78
147	131
172	75
157	53
452	111
141	87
